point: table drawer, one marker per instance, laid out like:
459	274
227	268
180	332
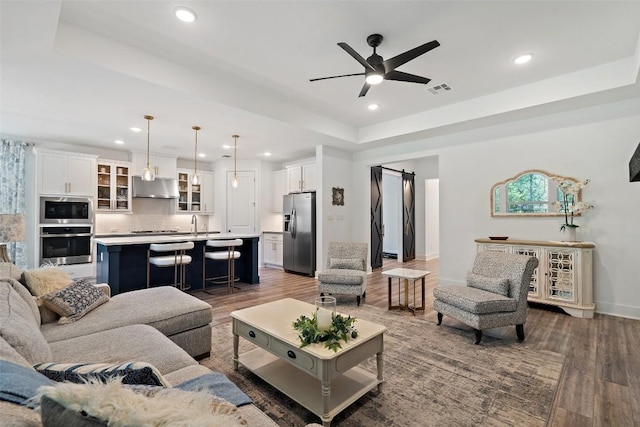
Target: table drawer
251	334
293	355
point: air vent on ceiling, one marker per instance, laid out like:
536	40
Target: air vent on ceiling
439	88
226	156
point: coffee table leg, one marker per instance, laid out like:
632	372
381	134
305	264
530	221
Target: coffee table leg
236	339
380	364
389	305
423	307
326	398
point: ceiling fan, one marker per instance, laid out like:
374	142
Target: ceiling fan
376	69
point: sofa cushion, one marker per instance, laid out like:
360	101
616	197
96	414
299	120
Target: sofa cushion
42	281
8	269
497	285
19	326
116	404
346	263
19	383
173	312
134	342
129	372
75	300
474	300
341	276
26	296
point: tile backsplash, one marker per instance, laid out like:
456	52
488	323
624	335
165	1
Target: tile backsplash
148	214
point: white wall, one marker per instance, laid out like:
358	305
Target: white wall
432	218
594	143
333	223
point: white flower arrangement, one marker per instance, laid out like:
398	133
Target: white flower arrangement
570	205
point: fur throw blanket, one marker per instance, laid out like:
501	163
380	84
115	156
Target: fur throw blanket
119	405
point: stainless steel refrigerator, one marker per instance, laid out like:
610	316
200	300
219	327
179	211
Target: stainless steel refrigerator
299	236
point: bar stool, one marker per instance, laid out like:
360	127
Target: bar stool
177	260
229	255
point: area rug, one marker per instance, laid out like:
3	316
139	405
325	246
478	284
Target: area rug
433	376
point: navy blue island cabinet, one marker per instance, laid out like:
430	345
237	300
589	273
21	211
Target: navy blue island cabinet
122	261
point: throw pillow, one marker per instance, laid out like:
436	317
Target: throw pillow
42	281
129	372
346	263
117	404
499	285
216	383
75	300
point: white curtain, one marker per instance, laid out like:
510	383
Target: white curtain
12	200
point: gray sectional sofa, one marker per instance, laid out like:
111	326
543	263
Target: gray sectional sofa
161	326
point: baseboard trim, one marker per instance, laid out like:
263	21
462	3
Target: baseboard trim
618	310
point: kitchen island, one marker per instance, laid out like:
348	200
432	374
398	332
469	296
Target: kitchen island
122	261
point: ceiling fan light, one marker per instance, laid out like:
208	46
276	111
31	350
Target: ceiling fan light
374	78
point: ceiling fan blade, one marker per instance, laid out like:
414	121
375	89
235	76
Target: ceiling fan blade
356	56
405	77
335	77
364	90
392	63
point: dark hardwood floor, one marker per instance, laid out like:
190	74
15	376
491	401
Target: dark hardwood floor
600	385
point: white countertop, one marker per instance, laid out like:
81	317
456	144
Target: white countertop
142	239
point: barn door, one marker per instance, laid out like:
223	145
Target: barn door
376	217
408	217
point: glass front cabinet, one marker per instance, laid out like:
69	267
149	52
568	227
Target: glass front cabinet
564	276
195	198
114	187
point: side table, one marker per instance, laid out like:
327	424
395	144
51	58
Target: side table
406	274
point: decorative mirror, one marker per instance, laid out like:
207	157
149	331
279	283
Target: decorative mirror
529	193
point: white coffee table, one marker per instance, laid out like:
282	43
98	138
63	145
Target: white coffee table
323	381
406	274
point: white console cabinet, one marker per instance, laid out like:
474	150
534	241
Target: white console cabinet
564	276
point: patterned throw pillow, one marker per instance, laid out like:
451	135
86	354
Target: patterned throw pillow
498	285
42	281
346	263
139	373
75	300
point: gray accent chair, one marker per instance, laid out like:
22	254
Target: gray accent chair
346	271
495	295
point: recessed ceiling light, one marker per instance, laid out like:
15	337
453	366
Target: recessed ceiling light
135	129
267	154
226	147
523	59
373	107
119	141
184	14
202	155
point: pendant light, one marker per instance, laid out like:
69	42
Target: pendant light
195	179
147	173
234	181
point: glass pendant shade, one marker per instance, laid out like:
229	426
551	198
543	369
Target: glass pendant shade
147	174
234	182
195	179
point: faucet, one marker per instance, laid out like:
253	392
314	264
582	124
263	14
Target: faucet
194	220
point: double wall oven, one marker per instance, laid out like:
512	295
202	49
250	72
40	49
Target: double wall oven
66	230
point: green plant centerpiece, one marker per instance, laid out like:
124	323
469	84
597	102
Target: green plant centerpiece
341	329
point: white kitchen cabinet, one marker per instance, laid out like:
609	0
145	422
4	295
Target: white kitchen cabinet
114	186
162	166
195	198
279	189
272	249
564	276
301	177
68	174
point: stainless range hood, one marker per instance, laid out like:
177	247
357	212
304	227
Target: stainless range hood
159	188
